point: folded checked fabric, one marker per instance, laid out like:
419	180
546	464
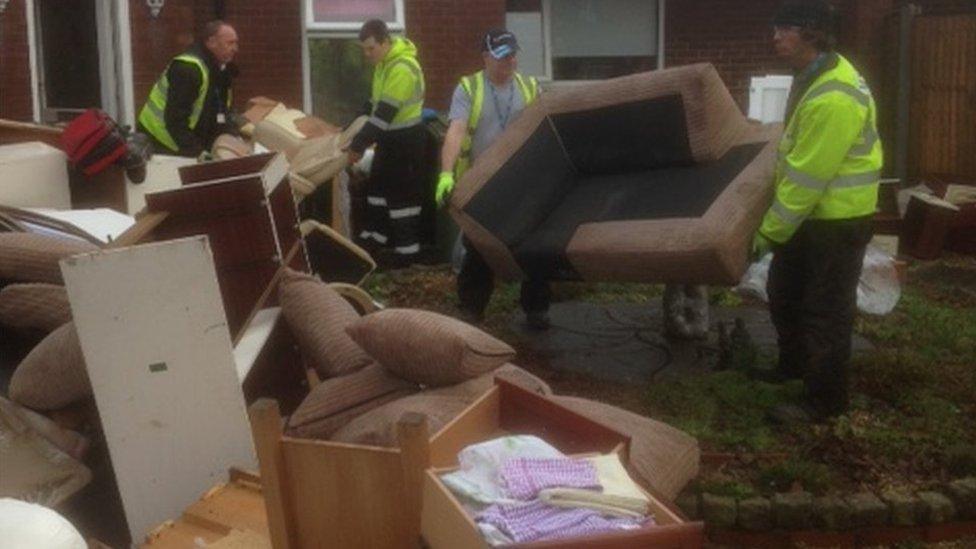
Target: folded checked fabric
523	478
537	521
477	478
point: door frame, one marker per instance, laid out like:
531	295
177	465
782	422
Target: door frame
114	59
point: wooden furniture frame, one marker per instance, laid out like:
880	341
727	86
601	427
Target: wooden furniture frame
328	494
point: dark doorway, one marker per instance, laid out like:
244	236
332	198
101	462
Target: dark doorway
70	76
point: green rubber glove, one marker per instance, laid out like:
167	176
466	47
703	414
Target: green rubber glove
760	246
445	184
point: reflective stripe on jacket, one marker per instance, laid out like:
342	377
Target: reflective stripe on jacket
474	86
830	156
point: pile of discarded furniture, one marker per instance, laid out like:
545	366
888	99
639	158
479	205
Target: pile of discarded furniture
178	319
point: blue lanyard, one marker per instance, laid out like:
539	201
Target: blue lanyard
502	119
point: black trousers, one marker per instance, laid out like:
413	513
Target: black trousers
476	282
395	191
812	290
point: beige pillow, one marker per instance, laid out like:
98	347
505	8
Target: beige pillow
227	147
664	457
318	317
53	374
276	138
32	257
334	402
379	427
428	348
37	306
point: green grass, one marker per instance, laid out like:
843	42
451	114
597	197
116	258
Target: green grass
912	397
724	410
782	477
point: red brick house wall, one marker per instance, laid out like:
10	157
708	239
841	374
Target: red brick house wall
156	41
271	45
447	35
15	87
270	58
735	38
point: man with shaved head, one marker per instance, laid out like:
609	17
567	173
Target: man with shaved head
189	106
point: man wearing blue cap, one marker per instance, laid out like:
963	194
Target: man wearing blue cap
820	221
484	104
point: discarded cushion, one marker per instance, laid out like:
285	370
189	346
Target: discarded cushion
53	374
334	402
653	177
428	348
278	139
33	257
34	306
664	457
318	317
379	427
228	146
472	389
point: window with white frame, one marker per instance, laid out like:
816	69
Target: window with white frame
350	14
586	39
338	77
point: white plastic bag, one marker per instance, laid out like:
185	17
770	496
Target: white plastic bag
878	289
30	526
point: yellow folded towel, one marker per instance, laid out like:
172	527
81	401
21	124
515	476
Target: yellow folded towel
621	506
621	496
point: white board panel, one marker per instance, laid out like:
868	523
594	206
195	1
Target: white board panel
155	341
527	28
768	96
34	175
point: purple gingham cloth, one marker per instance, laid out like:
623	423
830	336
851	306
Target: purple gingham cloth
538	521
523	478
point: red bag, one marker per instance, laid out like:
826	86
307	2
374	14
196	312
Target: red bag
93	141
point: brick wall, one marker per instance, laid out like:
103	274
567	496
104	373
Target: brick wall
270	57
271	49
156	41
447	36
15	87
736	39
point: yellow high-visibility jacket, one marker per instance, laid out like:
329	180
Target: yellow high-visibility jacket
830	156
474	85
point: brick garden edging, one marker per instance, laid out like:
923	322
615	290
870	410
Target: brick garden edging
852	521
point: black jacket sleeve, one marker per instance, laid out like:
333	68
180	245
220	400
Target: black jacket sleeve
371	132
184	85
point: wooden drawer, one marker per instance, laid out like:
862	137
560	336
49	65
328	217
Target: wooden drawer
508	409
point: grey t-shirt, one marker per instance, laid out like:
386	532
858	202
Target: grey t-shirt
490	122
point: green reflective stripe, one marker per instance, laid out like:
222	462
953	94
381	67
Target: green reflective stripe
834	85
804	180
855	180
784	213
870	136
